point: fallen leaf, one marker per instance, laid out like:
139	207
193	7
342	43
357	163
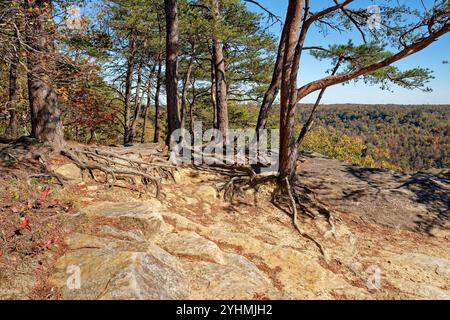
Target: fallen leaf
16	196
25	224
44	194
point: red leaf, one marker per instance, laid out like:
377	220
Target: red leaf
25	224
44	194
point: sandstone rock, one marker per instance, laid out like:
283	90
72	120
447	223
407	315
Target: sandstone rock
106	274
237	278
142	216
206	193
422	290
108	231
78	241
190	201
92	188
209	251
177	176
151	275
190	245
424	275
69	172
439	265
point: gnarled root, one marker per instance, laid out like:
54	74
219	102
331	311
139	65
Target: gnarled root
122	166
293	205
295	196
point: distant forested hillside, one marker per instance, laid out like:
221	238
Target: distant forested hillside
396	137
407	138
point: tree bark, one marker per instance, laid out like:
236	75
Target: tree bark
157	104
186	82
288	100
149	98
46	122
274	87
191	109
213	92
172	38
11	130
158	84
221	84
129	85
137	106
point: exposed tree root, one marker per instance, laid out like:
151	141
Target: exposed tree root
295	216
149	166
243	178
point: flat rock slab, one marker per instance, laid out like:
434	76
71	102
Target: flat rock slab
103	271
70	172
236	278
189	244
144	217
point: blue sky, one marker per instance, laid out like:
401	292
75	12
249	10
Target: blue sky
432	58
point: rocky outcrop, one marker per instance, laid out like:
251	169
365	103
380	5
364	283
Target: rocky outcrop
70	172
192	245
120	262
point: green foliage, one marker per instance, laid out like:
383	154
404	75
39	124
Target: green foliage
404	138
356	57
336	144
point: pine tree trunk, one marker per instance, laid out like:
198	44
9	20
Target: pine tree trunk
149	98
213	92
221	84
288	100
157	94
137	106
11	130
46	122
186	82
191	110
172	38
157	104
274	88
128	86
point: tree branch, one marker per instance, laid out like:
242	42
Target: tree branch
409	50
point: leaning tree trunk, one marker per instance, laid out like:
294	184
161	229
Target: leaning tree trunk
274	87
221	84
288	99
46	122
137	106
128	87
172	38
